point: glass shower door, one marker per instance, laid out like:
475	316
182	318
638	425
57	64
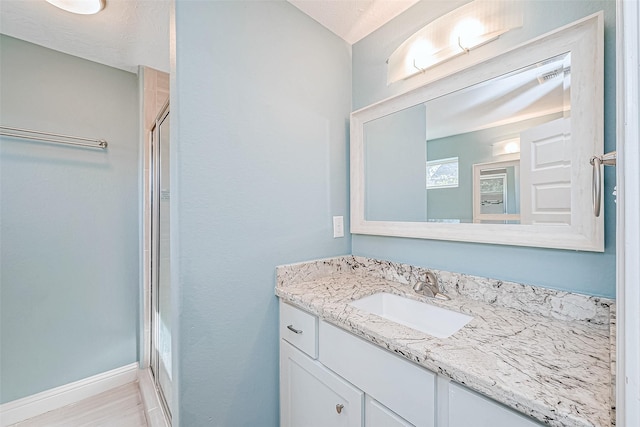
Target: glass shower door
160	260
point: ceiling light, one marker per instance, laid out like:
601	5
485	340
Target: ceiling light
81	7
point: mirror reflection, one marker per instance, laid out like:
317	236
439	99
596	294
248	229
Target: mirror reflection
496	192
495	152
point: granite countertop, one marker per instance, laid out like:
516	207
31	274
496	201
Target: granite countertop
544	353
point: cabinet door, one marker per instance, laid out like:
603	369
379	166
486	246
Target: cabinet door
313	396
467	408
378	415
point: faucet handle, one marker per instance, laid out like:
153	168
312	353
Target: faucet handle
424	289
429	287
431	280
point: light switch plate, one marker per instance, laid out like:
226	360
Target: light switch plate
338	226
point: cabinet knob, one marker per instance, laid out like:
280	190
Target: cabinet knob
292	329
339	408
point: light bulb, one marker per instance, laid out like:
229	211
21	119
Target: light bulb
467	33
512	147
420	54
81	7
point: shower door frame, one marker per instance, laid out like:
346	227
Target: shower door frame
154	220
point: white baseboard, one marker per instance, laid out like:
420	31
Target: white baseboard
151	401
48	400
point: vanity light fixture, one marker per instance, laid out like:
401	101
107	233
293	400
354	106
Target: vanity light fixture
508	146
456	33
81	7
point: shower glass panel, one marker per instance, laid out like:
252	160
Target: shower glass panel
160	264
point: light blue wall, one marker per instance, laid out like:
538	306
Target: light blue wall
395	173
260	119
591	273
69	221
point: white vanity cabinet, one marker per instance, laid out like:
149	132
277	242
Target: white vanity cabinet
310	394
329	377
329	392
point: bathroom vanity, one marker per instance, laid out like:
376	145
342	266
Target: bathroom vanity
514	355
529	356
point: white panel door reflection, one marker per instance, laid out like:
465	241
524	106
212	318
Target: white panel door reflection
545	164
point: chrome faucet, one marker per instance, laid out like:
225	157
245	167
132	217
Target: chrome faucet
430	287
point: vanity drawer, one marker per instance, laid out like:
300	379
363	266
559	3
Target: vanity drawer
299	328
469	408
403	387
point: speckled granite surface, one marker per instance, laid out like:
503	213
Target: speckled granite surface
542	352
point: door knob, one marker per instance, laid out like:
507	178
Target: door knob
339	408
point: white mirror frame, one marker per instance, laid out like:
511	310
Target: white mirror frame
585	40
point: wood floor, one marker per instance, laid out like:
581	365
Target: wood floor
120	407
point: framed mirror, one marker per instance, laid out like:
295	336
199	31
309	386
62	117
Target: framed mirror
498	153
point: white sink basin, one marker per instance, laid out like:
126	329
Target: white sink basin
436	321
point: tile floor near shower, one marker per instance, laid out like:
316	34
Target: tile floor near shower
119	407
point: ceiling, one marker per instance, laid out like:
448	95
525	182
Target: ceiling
128	33
353	20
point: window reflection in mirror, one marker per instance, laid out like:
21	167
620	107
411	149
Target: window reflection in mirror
521	117
493	193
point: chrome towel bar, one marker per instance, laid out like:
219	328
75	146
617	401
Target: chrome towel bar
47	137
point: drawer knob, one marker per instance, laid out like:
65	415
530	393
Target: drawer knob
339	408
294	330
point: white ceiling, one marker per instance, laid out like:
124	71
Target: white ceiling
128	33
353	20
